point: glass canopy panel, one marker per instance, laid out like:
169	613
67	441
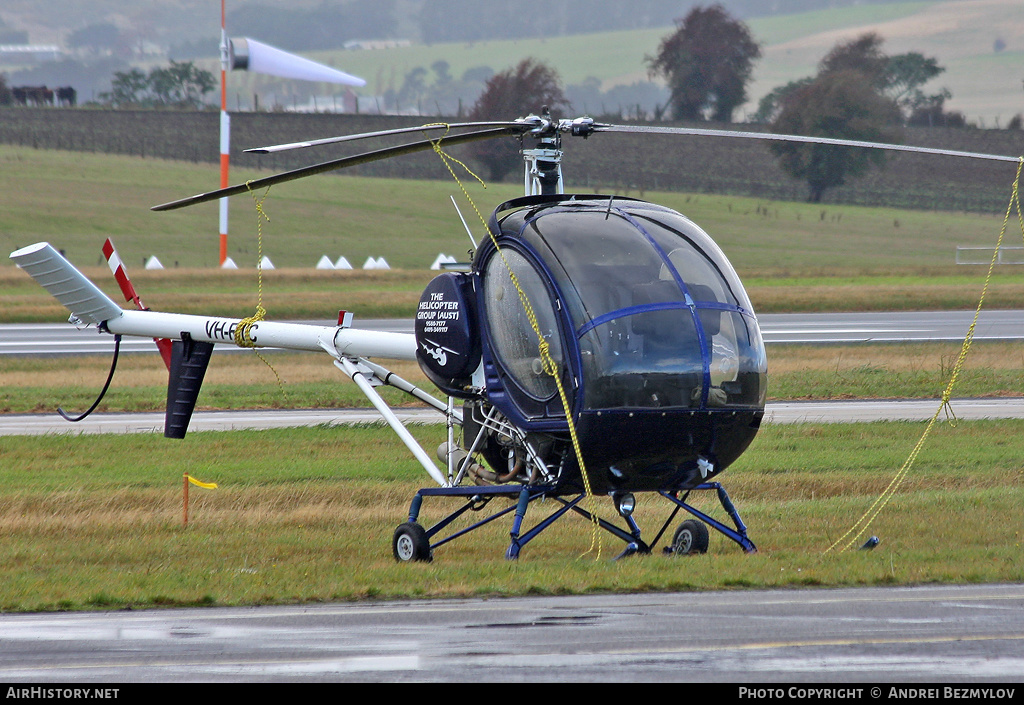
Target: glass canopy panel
602	261
639	340
737	364
514	341
698	260
645	360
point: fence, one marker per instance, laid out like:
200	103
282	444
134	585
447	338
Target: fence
983	255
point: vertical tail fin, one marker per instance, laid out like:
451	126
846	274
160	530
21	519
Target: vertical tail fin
189	362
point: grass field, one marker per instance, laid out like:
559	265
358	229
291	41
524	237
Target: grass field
307	515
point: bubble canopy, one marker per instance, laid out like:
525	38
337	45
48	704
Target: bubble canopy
640	310
652	313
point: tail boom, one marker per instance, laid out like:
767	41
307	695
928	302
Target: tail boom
267	334
90	305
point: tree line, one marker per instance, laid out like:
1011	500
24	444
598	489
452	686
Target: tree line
859	93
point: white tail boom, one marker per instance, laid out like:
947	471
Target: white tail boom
90	305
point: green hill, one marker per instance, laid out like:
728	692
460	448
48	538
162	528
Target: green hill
985	83
980	43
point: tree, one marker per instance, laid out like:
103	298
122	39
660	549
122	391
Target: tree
442	71
521	90
863	54
127	88
180	85
770	105
900	77
859	93
905	74
707	63
6	96
932	113
837	104
413	87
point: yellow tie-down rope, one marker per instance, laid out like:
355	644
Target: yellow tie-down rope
549	364
862	524
243	337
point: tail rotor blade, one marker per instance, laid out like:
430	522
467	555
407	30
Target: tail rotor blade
117	267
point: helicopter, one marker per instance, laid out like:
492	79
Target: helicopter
596	345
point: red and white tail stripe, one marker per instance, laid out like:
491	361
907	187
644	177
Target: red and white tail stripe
117	267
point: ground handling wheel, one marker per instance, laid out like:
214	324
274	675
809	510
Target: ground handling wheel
410	543
691	537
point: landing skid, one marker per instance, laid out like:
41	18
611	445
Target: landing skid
413	542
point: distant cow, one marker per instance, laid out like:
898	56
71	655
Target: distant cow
67	96
43	96
32	95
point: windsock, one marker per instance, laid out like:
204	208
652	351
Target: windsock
250	55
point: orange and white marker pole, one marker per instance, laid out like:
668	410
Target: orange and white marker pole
225	134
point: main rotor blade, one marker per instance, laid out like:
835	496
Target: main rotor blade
385	133
334	165
700	132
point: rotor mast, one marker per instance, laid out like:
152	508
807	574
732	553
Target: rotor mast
543	163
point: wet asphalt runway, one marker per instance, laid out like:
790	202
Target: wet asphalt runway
957	635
